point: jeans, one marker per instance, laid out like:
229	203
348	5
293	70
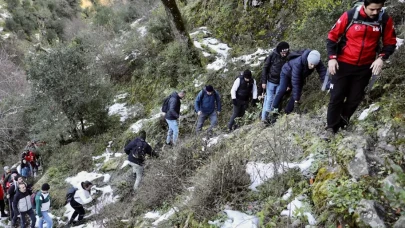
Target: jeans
79	210
173	132
47	218
285	82
238	111
203	116
32	216
346	92
138	171
271	90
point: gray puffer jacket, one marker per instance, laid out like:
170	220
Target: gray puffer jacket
22	202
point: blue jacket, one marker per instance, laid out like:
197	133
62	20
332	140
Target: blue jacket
174	107
297	70
206	103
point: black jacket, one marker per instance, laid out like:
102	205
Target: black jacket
174	107
132	145
245	89
22	202
272	68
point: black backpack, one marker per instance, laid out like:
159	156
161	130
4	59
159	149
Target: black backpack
165	105
70	194
138	152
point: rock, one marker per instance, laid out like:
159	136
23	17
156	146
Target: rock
400	223
368	214
385	146
391	180
358	167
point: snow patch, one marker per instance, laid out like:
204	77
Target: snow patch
83	176
288	194
142	30
254	59
136	127
152	215
237	219
218	64
126	162
119	109
366	112
260	172
171	212
293	210
197	83
400	41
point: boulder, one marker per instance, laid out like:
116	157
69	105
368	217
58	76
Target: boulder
358	167
367	214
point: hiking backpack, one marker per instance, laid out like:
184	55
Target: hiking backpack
33	195
138	152
70	194
165	105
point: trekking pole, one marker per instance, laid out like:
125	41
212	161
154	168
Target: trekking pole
374	78
325	81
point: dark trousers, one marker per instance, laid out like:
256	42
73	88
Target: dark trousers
30	213
79	210
2	206
347	92
285	82
238	111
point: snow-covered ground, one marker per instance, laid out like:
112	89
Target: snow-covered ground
296	208
210	44
254	59
119	108
260	172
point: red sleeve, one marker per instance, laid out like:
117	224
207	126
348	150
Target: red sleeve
334	35
339	28
389	39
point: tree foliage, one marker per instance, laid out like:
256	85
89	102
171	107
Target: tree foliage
69	88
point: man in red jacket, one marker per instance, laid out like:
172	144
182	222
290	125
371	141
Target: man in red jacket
353	44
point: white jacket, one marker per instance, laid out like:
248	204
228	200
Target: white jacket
82	196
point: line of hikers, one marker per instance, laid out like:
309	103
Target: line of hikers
353	57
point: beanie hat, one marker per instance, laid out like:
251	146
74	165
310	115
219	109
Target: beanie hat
45	187
209	88
142	134
314	57
247	74
282	46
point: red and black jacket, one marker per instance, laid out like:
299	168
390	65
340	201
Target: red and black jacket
361	41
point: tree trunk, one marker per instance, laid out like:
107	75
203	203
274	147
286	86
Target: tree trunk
176	21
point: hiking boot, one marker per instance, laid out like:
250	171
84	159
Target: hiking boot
329	133
4	215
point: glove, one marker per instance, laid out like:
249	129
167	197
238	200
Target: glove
234	102
254	102
297	107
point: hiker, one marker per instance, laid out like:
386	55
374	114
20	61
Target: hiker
244	87
42	204
353	61
81	196
2	204
22	205
136	150
31	157
207	105
172	115
26	168
271	75
12	192
5	177
293	75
